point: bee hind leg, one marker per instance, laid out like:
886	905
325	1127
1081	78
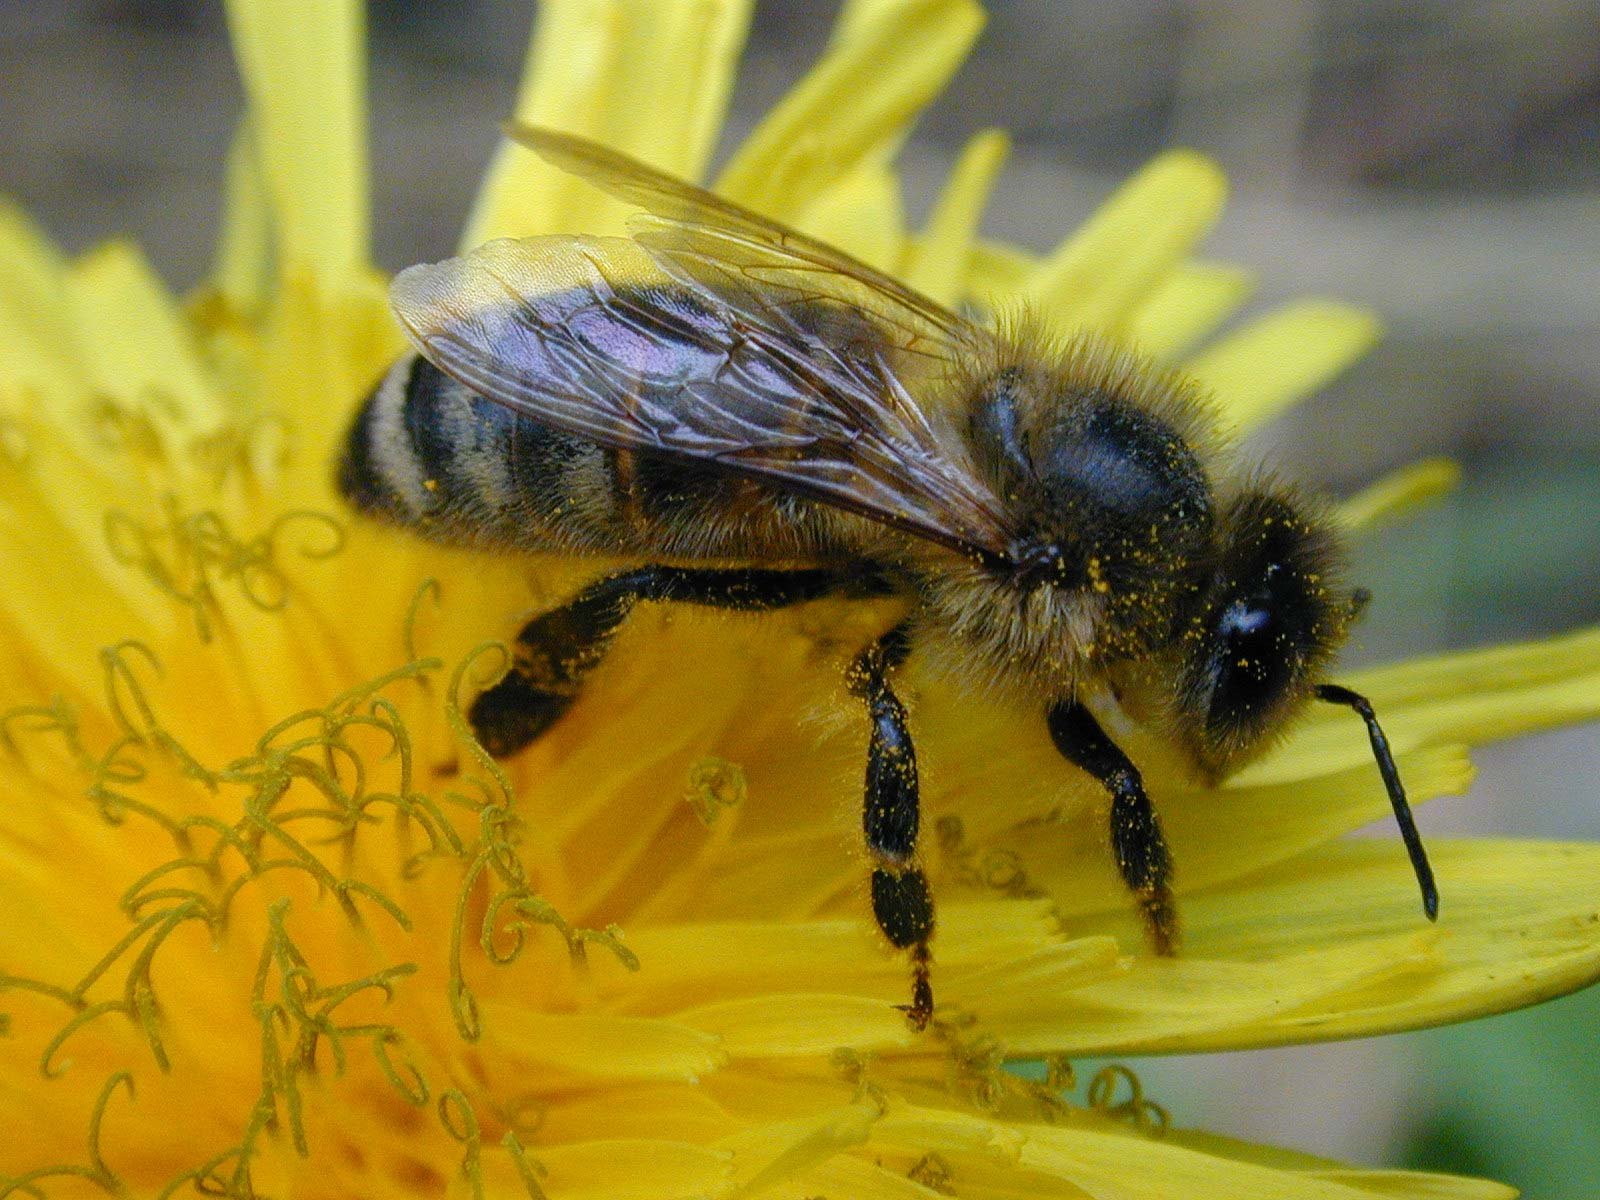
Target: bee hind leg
891	816
1136	839
555	650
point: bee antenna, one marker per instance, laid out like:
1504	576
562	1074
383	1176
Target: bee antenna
1334	694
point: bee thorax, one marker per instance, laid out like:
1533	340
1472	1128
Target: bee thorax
997	636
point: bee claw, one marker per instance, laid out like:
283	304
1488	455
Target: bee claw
920	1011
916	1017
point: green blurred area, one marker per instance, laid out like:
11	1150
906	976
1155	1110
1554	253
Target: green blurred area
1510	555
1516	1098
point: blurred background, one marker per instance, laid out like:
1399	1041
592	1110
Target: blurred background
1438	161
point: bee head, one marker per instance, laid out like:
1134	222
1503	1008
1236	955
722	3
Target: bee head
1266	623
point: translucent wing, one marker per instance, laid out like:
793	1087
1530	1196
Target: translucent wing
712	243
706	346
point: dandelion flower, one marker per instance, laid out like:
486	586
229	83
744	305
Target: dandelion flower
272	924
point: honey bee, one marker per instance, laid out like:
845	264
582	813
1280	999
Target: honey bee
761	420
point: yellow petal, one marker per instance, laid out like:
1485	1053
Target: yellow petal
1115	1166
40	367
930	1167
1412	1184
1265	367
142	353
1123	253
863	215
1332	945
694	965
57	613
915	1151
1396	495
919	1126
998	274
305	71
937	263
802	1024
648	77
1267	1156
883	67
1199	1000
850	1175
710	1071
242	270
316	356
1416	1185
689	1112
628	1170
1193	299
599	1044
1277	821
1473	696
771	1153
1047	977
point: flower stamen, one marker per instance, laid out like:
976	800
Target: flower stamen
187	556
96	1172
715	784
1144	1114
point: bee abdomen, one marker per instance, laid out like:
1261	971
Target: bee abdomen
427	452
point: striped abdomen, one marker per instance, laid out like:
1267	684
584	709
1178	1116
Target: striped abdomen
428	453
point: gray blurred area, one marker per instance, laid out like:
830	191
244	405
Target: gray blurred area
1437	161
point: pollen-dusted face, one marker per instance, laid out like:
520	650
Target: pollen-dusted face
1271	617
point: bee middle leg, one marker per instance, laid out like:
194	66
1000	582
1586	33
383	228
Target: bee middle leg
901	899
1136	838
555	650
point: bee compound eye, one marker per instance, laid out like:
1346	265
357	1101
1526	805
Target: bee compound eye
1254	661
1243	621
1272	614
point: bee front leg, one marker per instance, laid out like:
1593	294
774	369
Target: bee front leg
891	817
557	649
1136	839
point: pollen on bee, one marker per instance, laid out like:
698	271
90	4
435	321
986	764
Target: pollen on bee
1097	577
431	484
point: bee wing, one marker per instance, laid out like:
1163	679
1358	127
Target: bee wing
732	252
594	336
